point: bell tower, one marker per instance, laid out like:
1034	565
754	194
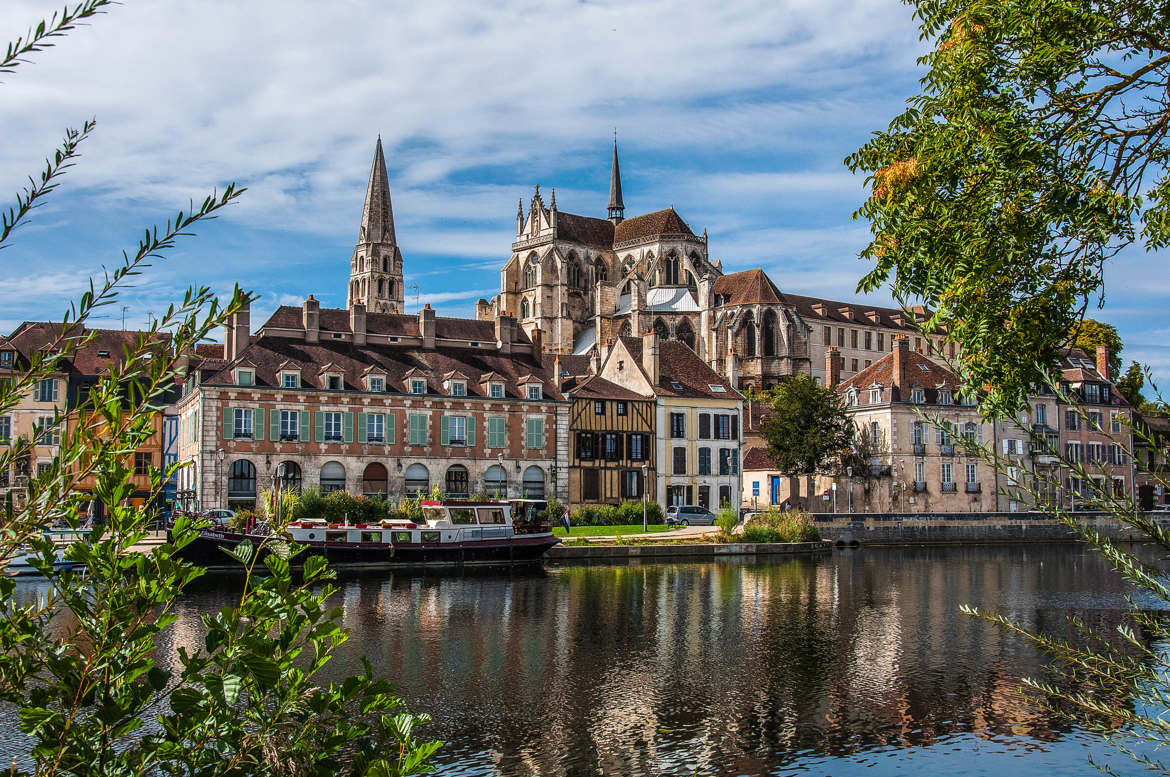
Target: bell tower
375	270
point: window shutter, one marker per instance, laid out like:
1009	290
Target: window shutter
470	431
229	423
347	427
363	432
735	427
319	426
704	426
391	429
445	431
274	425
258	424
304	435
938	435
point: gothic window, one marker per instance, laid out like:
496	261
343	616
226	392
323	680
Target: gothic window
749	338
600	271
684	333
530	274
391	287
381	287
385	264
574	274
625	330
672	274
524	309
691	284
662	330
770	333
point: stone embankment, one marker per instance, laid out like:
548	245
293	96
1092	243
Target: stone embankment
963	528
597	552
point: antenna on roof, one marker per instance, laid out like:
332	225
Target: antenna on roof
416	295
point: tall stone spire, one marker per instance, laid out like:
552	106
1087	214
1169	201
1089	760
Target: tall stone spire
375	274
378	213
617	208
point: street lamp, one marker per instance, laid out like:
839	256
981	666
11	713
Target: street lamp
500	461
834	487
219	475
849	472
645	470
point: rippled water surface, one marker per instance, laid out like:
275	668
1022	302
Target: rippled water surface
853	663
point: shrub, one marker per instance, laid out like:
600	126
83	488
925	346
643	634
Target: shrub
726	519
310	504
785	525
585	516
757	533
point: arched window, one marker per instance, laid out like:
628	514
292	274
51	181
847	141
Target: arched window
625	330
290	476
374	479
390	288
242	481
418	480
361	264
495	481
332	477
524	309
691	283
530	274
749	338
458	484
534	483
662	329
600	272
684	333
574	275
385	264
769	333
672	273
381	287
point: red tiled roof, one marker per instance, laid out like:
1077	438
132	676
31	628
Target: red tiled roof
391	324
661	222
596	387
597	233
678	364
886	317
756	458
749	287
33	336
920	372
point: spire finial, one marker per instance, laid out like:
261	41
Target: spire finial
617	208
553	202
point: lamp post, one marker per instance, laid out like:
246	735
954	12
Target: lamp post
834	487
645	470
219	484
500	461
849	473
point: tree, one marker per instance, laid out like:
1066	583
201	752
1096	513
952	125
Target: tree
1089	333
1130	385
807	428
1034	152
81	665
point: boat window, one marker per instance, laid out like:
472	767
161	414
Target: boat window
401	537
371	536
434	514
335	536
491	515
431	536
462	515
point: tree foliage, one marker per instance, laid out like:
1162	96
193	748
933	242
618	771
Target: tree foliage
807	427
93	669
1034	153
1131	383
1089	333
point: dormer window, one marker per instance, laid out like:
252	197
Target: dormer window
290	380
333	382
458	388
534	391
1092	392
245	377
917	396
103	354
496	390
852	398
376	383
875	396
7	358
418	386
944	397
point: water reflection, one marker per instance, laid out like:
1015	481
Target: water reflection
855	661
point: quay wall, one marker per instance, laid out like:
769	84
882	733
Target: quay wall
972	528
575	553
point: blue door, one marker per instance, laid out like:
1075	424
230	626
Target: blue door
775	489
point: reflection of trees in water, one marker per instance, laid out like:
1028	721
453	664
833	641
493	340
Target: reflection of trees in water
725	667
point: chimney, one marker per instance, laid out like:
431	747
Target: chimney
426	326
1103	361
901	365
557	372
537	337
650	362
595	361
834	361
240	331
732	368
505	333
312	320
357	323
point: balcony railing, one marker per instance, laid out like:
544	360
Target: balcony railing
946	449
919	448
242	435
332	437
375	438
973	488
880	470
919	486
948	488
290	438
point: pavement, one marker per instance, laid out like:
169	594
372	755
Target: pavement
683	532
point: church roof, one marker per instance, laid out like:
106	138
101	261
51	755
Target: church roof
377	213
661	222
615	183
597	233
750	287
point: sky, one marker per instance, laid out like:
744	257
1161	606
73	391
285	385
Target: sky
738	114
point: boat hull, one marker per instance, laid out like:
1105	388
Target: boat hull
207	550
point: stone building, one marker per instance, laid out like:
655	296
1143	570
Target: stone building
586	280
375	271
373	403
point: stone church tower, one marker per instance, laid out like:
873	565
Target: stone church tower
375	271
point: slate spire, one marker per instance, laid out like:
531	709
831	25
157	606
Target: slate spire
617	208
378	213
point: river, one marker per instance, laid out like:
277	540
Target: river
858	662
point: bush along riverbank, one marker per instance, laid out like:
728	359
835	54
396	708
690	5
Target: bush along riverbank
770	526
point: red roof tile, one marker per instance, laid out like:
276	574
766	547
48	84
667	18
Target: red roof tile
682	373
597	233
662	222
750	287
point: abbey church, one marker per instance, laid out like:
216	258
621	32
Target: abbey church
585	281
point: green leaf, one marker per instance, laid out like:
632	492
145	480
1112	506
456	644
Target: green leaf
265	670
241	553
232	684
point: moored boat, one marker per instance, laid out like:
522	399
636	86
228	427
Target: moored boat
451	533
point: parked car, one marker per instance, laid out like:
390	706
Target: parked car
689	515
220	516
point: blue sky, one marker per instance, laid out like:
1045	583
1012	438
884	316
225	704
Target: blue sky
737	113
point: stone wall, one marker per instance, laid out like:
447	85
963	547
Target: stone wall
942	528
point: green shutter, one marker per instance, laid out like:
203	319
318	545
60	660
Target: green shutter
470	431
258	424
274	426
229	423
319	426
347	427
304	436
391	430
363	432
497	432
445	431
